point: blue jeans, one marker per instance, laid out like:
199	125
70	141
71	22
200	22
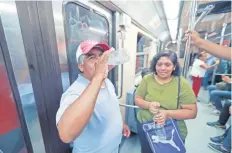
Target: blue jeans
227	142
217	95
205	80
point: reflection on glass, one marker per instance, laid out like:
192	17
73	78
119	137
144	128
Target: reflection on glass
11	137
82	24
17	54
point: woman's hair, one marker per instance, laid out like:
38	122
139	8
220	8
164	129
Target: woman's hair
199	55
172	56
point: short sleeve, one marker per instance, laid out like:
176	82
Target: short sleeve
186	93
142	88
66	100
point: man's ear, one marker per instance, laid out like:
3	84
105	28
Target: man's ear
81	68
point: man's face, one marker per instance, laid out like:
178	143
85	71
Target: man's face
90	59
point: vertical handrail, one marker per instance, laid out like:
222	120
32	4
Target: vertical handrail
221	43
191	25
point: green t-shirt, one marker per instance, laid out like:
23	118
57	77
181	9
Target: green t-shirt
166	95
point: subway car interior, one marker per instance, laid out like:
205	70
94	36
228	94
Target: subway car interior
38	45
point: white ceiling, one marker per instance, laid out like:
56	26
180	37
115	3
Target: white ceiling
149	14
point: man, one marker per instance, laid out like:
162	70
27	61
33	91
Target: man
210	47
216	95
222	143
89	114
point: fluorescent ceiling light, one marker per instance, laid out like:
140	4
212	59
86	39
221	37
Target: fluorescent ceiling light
171	8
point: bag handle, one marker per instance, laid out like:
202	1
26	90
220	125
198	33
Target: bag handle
178	96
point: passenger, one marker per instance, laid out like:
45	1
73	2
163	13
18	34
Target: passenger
216	95
222	143
210	47
210	61
223	118
159	89
198	71
89	113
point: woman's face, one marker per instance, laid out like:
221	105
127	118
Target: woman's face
164	67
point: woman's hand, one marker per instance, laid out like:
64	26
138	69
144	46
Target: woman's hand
161	117
153	107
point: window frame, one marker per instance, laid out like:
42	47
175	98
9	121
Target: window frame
90	8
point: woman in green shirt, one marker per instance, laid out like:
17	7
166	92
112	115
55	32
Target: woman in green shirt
159	91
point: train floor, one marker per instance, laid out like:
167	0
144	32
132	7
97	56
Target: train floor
198	132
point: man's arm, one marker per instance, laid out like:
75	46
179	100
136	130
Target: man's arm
79	112
212	48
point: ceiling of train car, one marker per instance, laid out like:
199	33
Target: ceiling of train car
211	22
149	14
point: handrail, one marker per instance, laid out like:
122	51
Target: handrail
129	106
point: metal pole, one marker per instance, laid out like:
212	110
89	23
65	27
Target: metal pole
192	16
221	43
129	106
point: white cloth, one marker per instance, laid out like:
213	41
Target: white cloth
198	71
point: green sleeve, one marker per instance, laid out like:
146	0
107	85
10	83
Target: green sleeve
186	93
142	88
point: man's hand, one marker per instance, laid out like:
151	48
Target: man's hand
226	79
126	131
101	66
195	37
230	110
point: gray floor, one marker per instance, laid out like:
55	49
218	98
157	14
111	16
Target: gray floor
198	132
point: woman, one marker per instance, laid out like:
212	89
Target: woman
198	71
160	90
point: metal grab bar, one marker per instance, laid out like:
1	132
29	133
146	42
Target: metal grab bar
129	106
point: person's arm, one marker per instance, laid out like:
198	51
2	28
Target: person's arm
77	115
206	67
210	47
141	92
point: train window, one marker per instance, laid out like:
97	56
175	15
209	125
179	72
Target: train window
15	46
82	24
142	55
11	137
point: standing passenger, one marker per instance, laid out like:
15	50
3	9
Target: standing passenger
198	71
89	114
159	89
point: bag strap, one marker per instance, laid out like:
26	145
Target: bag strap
178	95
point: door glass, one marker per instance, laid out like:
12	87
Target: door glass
11	137
15	46
82	24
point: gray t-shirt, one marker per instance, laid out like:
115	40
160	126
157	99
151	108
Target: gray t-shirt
103	132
